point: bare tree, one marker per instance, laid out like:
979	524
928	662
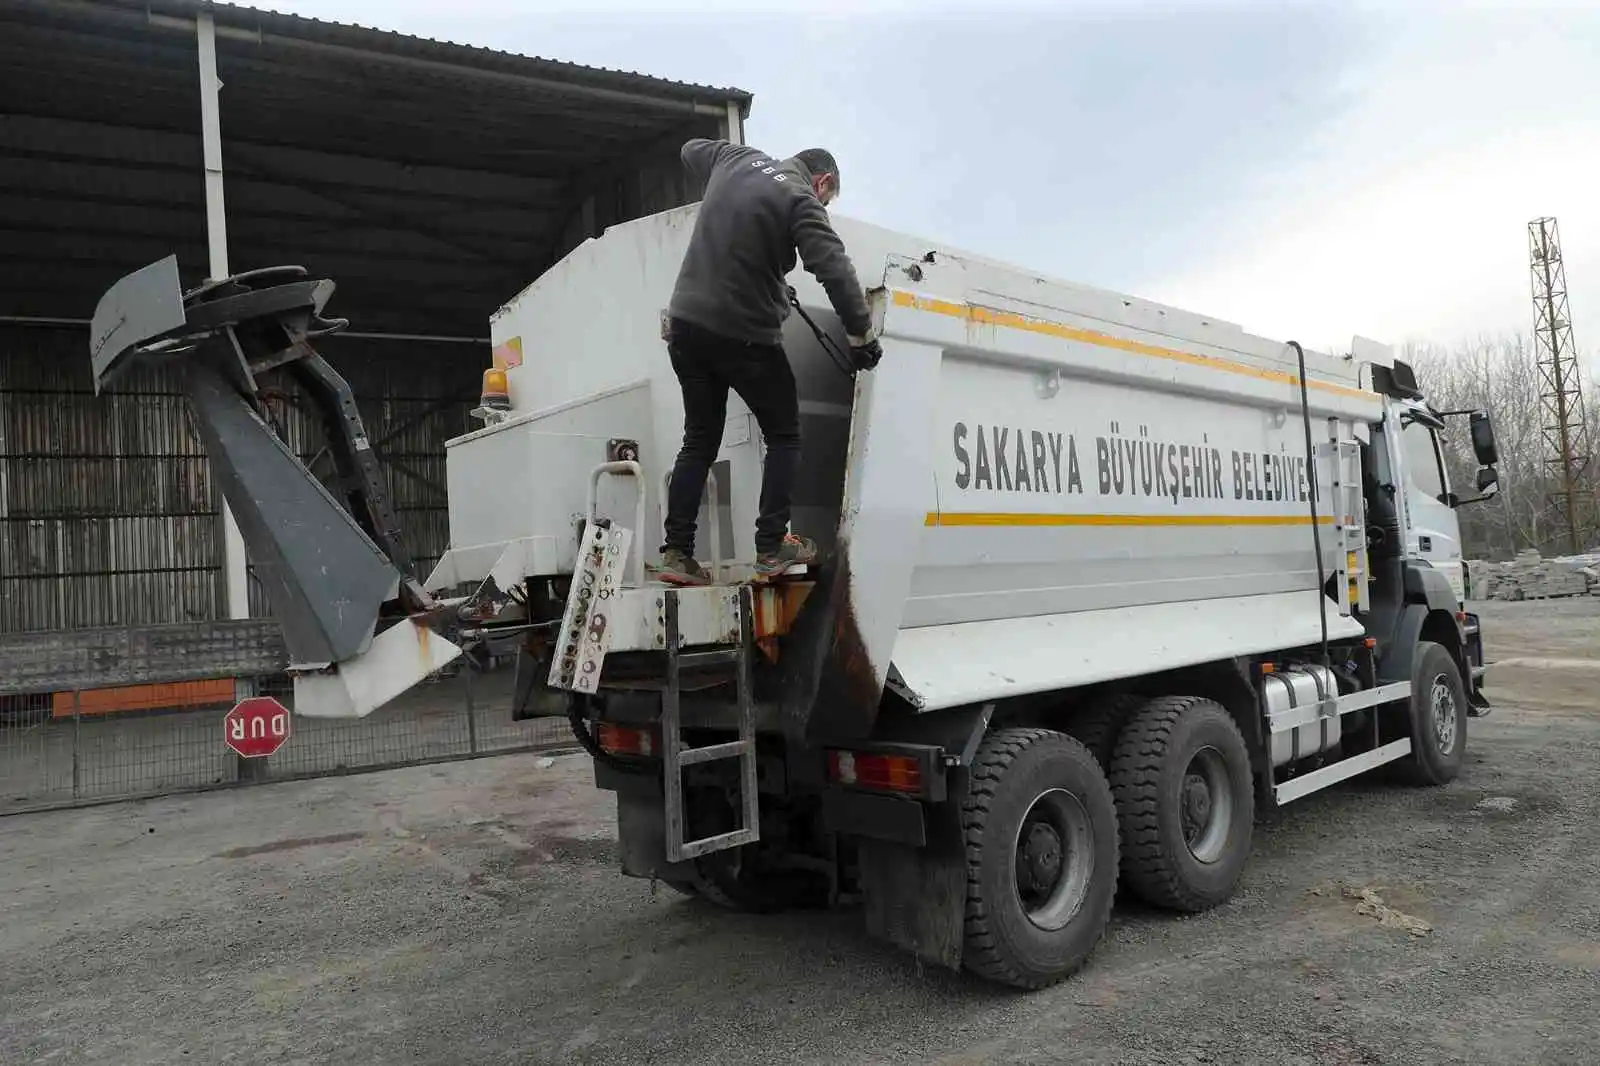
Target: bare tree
1499	375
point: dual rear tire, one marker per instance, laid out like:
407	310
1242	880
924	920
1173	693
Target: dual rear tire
1048	832
1180	772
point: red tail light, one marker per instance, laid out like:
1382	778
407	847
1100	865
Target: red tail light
626	740
894	773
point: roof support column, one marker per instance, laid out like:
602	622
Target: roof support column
234	566
733	125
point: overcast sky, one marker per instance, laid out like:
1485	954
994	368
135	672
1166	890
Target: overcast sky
1310	171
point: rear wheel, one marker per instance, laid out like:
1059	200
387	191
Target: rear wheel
713	886
1185	802
1041	842
1098	725
755	877
683	886
1438	709
739	879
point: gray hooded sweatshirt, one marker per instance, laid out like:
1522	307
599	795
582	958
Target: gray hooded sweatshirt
757	212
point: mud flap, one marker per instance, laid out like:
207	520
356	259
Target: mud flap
1478	703
641	826
916	898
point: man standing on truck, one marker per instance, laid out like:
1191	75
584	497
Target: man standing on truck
725	330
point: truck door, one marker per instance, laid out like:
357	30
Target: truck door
1432	531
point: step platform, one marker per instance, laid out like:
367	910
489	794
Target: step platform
605	616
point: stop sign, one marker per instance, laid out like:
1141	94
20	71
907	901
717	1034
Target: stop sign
256	727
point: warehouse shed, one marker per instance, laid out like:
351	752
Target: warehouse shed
431	181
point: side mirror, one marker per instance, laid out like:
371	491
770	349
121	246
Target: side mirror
1488	486
1483	440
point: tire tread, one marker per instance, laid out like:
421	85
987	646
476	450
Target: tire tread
1135	775
1415	769
981	952
1098	725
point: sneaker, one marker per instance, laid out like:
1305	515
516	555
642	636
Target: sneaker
794	551
681	568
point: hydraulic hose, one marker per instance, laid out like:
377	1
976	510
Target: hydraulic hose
838	358
1316	526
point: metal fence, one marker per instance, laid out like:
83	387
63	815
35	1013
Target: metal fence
66	748
109	518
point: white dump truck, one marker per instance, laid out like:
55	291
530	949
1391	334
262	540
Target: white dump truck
1100	579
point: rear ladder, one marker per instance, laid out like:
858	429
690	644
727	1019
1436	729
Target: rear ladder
675	756
600	604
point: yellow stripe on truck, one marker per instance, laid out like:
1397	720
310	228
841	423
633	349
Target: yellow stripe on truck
986	316
985	518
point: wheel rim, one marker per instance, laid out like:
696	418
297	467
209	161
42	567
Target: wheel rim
1442	705
1054	853
1205	805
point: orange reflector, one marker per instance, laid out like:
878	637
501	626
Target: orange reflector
1371	642
1268	668
625	740
897	773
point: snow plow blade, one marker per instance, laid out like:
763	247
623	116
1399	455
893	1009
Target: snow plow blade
358	626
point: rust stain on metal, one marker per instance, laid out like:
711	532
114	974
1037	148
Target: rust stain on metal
847	697
424	634
849	657
828	688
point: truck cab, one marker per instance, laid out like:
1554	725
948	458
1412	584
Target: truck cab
1413	513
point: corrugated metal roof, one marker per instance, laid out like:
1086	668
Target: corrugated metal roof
353	35
430	181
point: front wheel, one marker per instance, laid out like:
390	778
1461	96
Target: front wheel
1040	829
1438	717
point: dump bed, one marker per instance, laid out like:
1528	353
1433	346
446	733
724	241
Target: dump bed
1041	485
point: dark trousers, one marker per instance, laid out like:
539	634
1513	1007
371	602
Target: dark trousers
708	365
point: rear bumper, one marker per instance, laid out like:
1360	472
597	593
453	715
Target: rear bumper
847	811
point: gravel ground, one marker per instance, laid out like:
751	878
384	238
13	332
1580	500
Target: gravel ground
470	913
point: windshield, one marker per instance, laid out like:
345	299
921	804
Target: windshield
1423	466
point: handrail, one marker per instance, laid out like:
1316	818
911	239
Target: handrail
714	535
628	468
